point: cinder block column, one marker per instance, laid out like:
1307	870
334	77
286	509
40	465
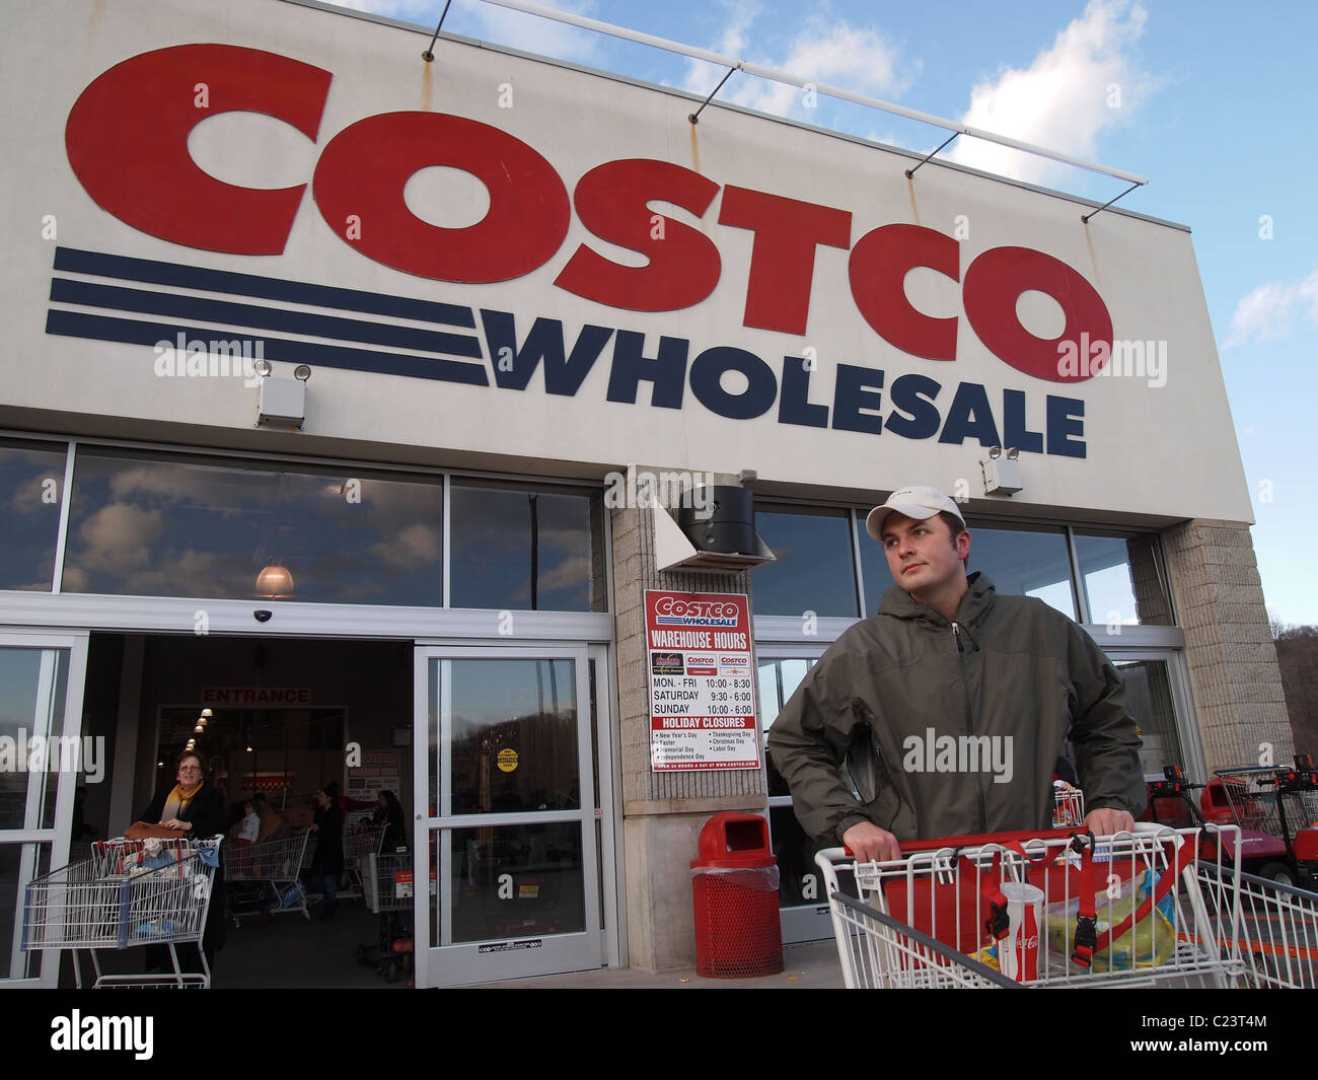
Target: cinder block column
1234	675
662	812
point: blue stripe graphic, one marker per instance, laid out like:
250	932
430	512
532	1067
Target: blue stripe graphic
129	331
76	261
141	301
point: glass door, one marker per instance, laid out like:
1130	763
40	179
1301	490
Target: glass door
802	903
1157	697
41	678
507	751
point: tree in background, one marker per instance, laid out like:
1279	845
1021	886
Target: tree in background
1297	656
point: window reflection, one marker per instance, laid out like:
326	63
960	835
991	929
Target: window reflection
32	479
1149	701
32	689
514	736
778	681
526	549
813	570
1121	579
147	525
517	881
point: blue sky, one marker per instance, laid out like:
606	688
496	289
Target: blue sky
1216	108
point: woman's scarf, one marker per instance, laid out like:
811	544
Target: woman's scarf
179	799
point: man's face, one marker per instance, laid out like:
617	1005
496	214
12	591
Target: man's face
921	554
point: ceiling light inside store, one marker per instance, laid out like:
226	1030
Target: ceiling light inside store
274	581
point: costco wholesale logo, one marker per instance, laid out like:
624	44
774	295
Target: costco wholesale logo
127	142
674	611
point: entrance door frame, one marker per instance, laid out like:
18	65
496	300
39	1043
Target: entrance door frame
57	836
597	945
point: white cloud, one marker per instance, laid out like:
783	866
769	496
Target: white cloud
413	546
502	26
1269	310
858	58
117	538
1065	99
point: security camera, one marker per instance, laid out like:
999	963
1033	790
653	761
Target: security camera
262	615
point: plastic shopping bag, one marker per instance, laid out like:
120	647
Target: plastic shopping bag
1149	943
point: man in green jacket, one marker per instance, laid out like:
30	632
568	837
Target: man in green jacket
946	712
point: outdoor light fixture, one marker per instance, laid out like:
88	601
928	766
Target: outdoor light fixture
274	581
198	730
249	749
207	713
1002	471
282	402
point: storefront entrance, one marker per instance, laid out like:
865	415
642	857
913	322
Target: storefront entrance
498	756
511	747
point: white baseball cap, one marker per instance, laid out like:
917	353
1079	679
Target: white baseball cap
914	502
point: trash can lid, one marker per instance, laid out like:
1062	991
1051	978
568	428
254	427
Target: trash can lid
734	841
736	860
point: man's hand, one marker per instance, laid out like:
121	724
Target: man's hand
1109	820
868	842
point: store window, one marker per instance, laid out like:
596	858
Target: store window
1019	562
1122	578
32	479
814	563
526	548
148	525
798	876
1149	700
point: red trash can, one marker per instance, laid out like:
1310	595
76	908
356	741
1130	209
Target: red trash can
735	893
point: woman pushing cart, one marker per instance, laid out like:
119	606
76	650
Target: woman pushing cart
154	892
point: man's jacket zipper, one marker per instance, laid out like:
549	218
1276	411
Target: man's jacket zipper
970	722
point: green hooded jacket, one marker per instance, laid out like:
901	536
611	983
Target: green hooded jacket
931	728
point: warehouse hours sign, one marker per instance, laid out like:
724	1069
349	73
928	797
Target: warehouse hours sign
702	682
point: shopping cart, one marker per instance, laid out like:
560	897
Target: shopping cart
273	864
1142	908
389	891
1277	932
359	843
1280	805
1068	805
128	893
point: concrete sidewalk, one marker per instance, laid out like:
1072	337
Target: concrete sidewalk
809	966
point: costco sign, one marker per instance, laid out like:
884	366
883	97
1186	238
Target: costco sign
127	142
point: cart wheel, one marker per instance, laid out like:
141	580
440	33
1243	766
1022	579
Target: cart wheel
1278	872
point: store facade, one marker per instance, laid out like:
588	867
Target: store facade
520	286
